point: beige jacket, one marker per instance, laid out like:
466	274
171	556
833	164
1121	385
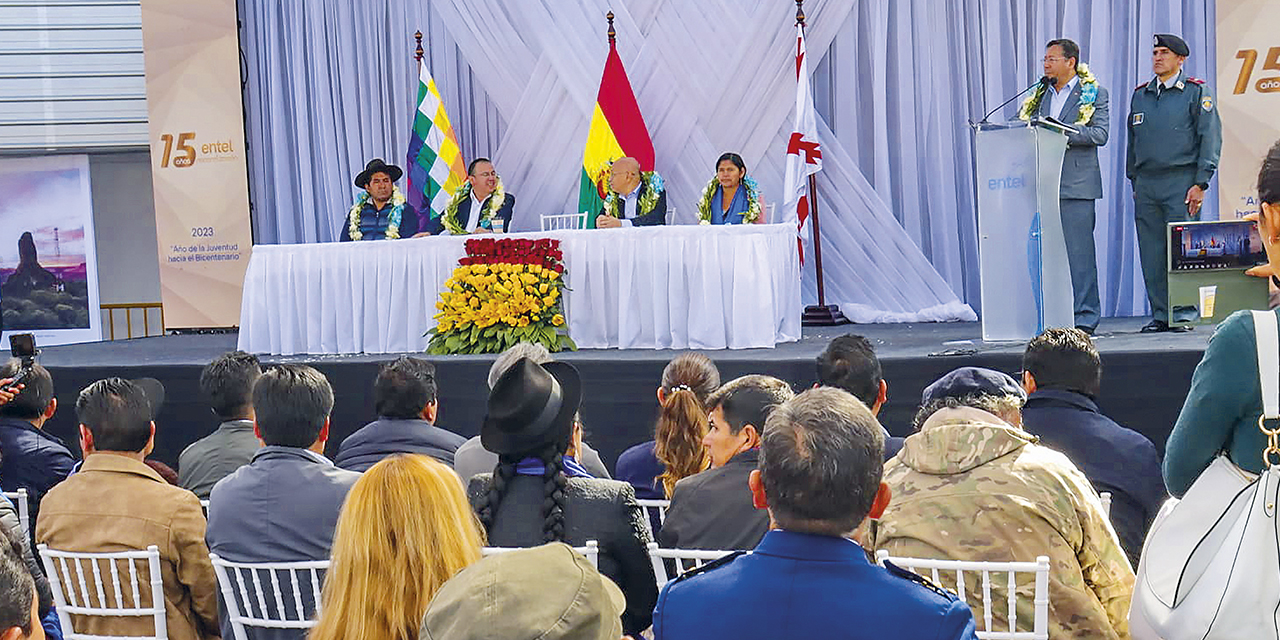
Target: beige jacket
969	486
115	503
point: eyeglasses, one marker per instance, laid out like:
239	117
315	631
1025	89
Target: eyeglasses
1051	59
486	174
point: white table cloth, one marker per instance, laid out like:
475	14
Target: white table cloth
671	287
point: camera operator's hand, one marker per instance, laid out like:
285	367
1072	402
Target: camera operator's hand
7	392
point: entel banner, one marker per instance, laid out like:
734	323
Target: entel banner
198	168
1248	94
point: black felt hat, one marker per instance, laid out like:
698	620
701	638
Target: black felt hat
531	406
377	165
1173	43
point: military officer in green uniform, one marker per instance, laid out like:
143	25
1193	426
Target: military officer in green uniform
1175	138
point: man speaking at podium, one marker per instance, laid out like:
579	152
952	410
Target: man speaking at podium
1077	99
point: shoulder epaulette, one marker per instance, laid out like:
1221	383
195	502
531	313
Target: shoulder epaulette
714	564
894	569
1195	80
1141	86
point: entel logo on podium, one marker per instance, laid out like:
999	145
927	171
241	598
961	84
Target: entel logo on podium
1008	182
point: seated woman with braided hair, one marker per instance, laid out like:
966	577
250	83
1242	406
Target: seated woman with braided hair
539	493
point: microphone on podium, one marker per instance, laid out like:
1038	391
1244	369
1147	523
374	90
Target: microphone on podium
1045	81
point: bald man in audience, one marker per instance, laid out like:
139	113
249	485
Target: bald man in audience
635	205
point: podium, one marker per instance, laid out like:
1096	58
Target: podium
1022	254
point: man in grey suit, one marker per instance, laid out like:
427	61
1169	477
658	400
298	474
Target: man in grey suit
1077	99
283	506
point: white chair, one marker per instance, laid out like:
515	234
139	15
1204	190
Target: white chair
562	221
1040	623
73	595
682	559
204	506
242	586
1106	503
654	506
19	499
591	551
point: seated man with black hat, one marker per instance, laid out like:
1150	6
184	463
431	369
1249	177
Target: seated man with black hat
382	212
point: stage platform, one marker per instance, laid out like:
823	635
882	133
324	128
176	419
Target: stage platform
1145	378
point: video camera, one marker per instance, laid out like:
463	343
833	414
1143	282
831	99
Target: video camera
23	347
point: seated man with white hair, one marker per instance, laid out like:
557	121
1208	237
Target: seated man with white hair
472	459
972	485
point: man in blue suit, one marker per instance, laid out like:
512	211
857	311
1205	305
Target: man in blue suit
819	478
1078	99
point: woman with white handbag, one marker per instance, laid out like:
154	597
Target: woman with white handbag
1210	567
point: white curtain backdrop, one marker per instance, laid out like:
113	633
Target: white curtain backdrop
331	84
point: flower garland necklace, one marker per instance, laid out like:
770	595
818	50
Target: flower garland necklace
753	200
647	200
1088	95
450	216
393	220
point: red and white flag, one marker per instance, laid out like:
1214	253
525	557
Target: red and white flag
804	154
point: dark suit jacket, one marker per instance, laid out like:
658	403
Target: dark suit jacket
33	460
713	509
463	214
1112	457
653	218
798	585
386	436
600	510
281	507
1081	175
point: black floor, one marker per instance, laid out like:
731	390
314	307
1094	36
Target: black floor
1145	378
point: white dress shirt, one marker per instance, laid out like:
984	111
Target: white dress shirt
477	208
631	206
1058	99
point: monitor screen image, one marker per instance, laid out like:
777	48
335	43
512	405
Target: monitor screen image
1228	244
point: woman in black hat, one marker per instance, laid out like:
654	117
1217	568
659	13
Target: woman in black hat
538	493
381	212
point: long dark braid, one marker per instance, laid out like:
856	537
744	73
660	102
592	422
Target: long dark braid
554	485
502	475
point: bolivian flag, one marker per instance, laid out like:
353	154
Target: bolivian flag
617	131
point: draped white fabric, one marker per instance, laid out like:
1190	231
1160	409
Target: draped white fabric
331	82
688	287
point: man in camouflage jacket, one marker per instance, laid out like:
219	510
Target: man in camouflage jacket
972	485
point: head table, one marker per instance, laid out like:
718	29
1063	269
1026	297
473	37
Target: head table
667	287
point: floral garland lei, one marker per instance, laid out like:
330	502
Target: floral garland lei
393	220
1088	95
645	203
495	200
753	201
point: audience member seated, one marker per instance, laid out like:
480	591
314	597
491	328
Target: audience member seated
971	485
538	493
405	529
283	506
404	395
714	509
14	539
472	459
819	478
549	592
850	363
19	602
31	458
227	385
676	452
1062	374
116	502
1224	405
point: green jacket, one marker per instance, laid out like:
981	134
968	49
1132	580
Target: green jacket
1222	408
1176	128
969	486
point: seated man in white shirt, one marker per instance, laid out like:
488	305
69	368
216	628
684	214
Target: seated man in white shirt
480	205
636	198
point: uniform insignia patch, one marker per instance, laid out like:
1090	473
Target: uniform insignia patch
1207	103
1137	118
1180	85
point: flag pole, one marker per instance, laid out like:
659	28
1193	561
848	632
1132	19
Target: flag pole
822	315
417	53
613	35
